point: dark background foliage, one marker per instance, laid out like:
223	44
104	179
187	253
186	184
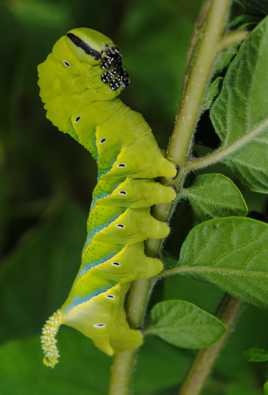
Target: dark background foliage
46	183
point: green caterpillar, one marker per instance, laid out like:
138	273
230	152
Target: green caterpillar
79	85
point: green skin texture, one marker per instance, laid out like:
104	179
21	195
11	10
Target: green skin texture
99	289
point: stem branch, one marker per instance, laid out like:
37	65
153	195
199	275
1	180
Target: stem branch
222	153
232	39
178	151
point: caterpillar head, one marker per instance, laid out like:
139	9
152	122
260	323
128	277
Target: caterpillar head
96	49
84	67
98	52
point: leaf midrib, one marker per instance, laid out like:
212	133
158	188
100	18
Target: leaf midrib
221	271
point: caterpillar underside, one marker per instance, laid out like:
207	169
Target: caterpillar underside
79	84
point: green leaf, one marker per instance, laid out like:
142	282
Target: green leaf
257	355
28	376
266	388
212	92
83	369
184	324
243	21
231	253
240	113
214	195
224	59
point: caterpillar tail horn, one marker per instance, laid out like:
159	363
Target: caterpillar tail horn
49	340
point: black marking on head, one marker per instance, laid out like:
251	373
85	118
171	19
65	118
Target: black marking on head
99	325
66	63
120	226
111	57
116	264
110	60
114	75
84	46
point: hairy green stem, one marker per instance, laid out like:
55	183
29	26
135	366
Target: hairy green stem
123	362
178	151
181	139
197	376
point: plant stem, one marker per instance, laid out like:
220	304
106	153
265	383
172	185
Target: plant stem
123	362
181	139
205	359
178	151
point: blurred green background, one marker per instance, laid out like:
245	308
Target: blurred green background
46	184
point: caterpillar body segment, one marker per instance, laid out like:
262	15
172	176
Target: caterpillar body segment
79	85
103	319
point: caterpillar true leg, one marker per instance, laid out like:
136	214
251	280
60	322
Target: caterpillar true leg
79	85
